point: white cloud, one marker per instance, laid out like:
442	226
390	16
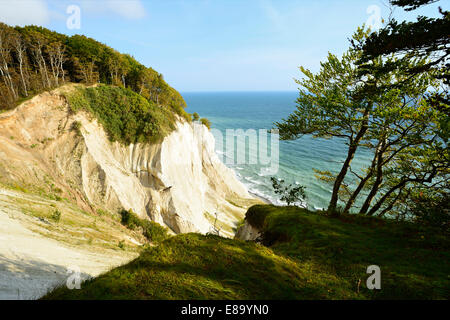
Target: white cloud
24	12
129	9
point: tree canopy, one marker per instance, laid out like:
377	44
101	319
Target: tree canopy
33	59
426	38
395	124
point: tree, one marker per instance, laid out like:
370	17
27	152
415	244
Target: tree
34	58
397	126
37	42
206	122
424	38
325	109
289	193
6	46
405	150
21	53
195	116
56	56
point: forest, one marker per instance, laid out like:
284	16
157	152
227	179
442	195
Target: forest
34	59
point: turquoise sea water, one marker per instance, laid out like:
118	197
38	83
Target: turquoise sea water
259	110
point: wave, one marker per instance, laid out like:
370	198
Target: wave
257	182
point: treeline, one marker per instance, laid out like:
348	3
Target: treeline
34	59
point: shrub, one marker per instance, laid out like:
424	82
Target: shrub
206	122
289	193
178	109
129	219
431	210
76	126
256	215
195	116
56	216
154	232
151	230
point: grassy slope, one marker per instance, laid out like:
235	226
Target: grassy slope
307	256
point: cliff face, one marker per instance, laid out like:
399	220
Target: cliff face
179	183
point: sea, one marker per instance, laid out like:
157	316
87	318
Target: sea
297	159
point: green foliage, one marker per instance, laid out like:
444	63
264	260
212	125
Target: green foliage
129	219
289	193
431	208
426	38
153	231
397	126
126	116
49	59
194	266
56	216
256	216
310	256
206	122
76	126
411	4
195	116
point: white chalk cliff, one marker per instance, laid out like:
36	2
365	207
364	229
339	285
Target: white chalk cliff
179	183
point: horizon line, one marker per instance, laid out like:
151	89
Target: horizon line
234	91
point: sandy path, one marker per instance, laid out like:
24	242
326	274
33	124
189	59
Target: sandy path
31	264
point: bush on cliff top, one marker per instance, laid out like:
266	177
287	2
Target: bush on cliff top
126	116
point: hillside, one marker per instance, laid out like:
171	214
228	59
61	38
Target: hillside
87	133
303	256
68	168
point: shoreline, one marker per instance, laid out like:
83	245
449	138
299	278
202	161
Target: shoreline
266	201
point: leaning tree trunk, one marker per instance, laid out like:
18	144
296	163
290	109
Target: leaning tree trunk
380	202
377	183
7	79
350	155
362	183
23	78
20	51
400	185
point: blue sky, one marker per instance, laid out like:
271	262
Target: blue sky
207	45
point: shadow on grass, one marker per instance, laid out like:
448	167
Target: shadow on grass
193	266
26	279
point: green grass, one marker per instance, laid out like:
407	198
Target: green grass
126	116
414	260
303	256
